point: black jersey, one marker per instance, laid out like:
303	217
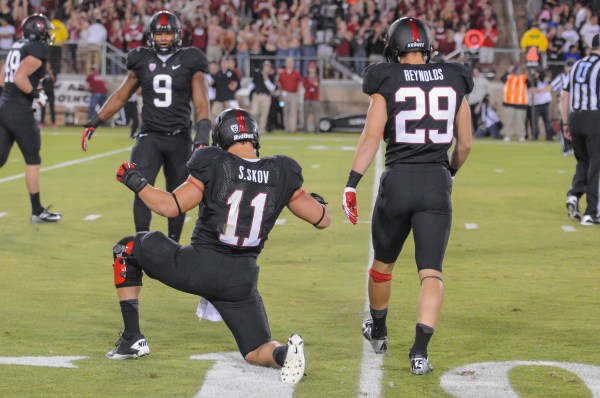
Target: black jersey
422	104
16	55
166	86
242	200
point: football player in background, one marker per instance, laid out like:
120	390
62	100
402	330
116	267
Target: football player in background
240	197
25	66
420	107
170	76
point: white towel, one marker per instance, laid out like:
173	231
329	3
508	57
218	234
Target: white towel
207	311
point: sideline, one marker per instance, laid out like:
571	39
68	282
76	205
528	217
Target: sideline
371	372
69	163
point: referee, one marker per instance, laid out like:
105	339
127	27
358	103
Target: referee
580	106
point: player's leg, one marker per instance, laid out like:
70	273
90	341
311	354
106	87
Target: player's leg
128	282
27	135
6	143
390	227
175	158
592	188
431	230
148	159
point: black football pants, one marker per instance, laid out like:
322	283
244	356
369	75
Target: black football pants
586	145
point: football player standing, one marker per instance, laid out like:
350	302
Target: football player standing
421	108
170	76
25	66
240	197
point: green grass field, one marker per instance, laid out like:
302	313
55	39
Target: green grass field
521	280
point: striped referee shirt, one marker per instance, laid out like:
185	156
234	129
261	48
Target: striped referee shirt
584	84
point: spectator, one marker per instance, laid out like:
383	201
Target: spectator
486	52
262	90
289	83
481	89
573	54
214	52
376	43
199	33
133	33
308	48
589	29
244	38
48	84
556	44
74	25
116	38
226	83
515	102
311	83
540	108
490	120
571	36
7	34
557	85
94	36
97	88
282	45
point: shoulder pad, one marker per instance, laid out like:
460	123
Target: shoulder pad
135	56
374	77
195	59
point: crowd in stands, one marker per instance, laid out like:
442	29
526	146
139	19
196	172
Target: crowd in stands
568	25
240	29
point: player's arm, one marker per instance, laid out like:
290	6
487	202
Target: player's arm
464	137
119	98
310	207
27	67
565	98
202	125
113	104
368	145
185	197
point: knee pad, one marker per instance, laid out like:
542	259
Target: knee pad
123	248
378	277
125	269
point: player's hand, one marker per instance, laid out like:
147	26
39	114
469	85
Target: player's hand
566	132
130	177
198	146
349	205
41	100
86	136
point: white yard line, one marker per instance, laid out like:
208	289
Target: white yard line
371	373
69	163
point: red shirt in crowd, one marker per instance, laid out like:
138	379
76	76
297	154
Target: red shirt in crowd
133	33
289	81
96	83
311	87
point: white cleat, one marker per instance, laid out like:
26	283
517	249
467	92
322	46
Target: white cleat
419	365
293	367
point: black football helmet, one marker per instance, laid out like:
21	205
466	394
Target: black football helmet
161	22
37	27
405	35
234	125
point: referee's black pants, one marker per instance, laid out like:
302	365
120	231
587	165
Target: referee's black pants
586	145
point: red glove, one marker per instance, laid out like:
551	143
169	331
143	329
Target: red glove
86	136
130	177
349	205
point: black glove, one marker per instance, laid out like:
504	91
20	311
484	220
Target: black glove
130	177
318	198
202	128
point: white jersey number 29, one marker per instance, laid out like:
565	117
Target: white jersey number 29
426	103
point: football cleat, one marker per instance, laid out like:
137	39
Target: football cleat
379	344
419	365
573	208
589	220
293	367
45	216
135	347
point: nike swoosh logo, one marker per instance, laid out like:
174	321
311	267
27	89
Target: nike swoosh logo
175	66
